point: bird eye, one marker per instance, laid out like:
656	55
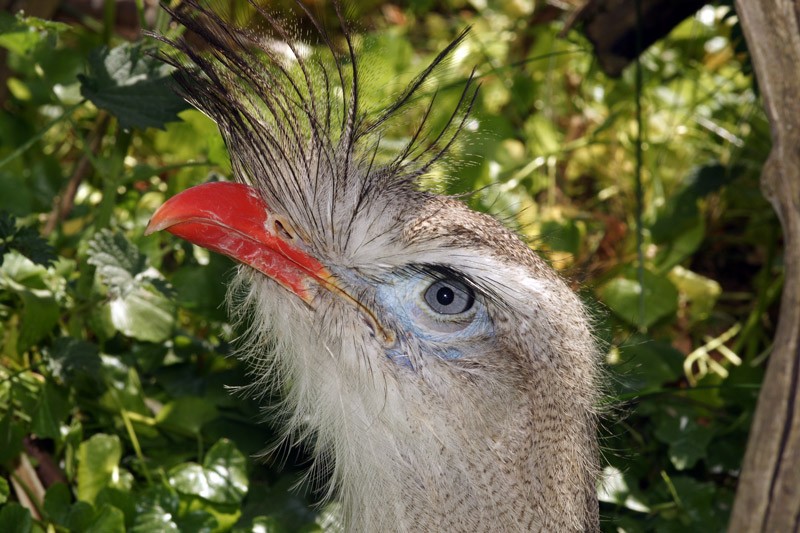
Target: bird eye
449	297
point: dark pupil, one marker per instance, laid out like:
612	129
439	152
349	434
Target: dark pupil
445	296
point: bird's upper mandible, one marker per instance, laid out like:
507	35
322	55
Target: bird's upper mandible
440	371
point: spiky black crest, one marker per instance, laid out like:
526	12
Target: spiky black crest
291	115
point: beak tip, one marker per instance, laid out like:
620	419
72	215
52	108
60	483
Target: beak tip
155	224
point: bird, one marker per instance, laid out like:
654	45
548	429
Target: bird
443	376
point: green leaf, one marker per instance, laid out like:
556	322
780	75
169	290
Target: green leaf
25	240
622	295
51	411
98	461
697	502
133	85
700	291
267	524
139	298
688	440
616	488
680	246
647	364
154	519
680	213
11	435
198	521
14	518
77	363
144	314
108	519
20	34
81	515
187	414
30	244
117	260
57	502
562	235
155	510
5	490
202	288
221	479
121	498
40	314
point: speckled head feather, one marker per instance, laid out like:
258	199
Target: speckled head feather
458	393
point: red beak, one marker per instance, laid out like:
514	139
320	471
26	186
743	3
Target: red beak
232	219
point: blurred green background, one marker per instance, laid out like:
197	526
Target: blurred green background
115	412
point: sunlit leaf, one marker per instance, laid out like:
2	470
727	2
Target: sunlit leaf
140	302
615	488
221	479
641	305
98	463
156	509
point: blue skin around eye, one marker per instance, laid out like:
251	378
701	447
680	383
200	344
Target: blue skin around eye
401	297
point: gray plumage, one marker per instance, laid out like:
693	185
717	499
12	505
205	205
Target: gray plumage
476	421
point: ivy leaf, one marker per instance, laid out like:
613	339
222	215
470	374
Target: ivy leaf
155	510
140	301
133	85
221	479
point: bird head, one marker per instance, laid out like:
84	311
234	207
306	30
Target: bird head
441	372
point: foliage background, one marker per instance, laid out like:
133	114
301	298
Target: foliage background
115	412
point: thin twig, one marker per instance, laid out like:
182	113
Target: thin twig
63	203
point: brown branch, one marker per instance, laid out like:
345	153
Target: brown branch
768	496
64	202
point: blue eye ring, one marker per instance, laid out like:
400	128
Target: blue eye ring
449	297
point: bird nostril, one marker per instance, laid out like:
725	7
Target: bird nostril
282	229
